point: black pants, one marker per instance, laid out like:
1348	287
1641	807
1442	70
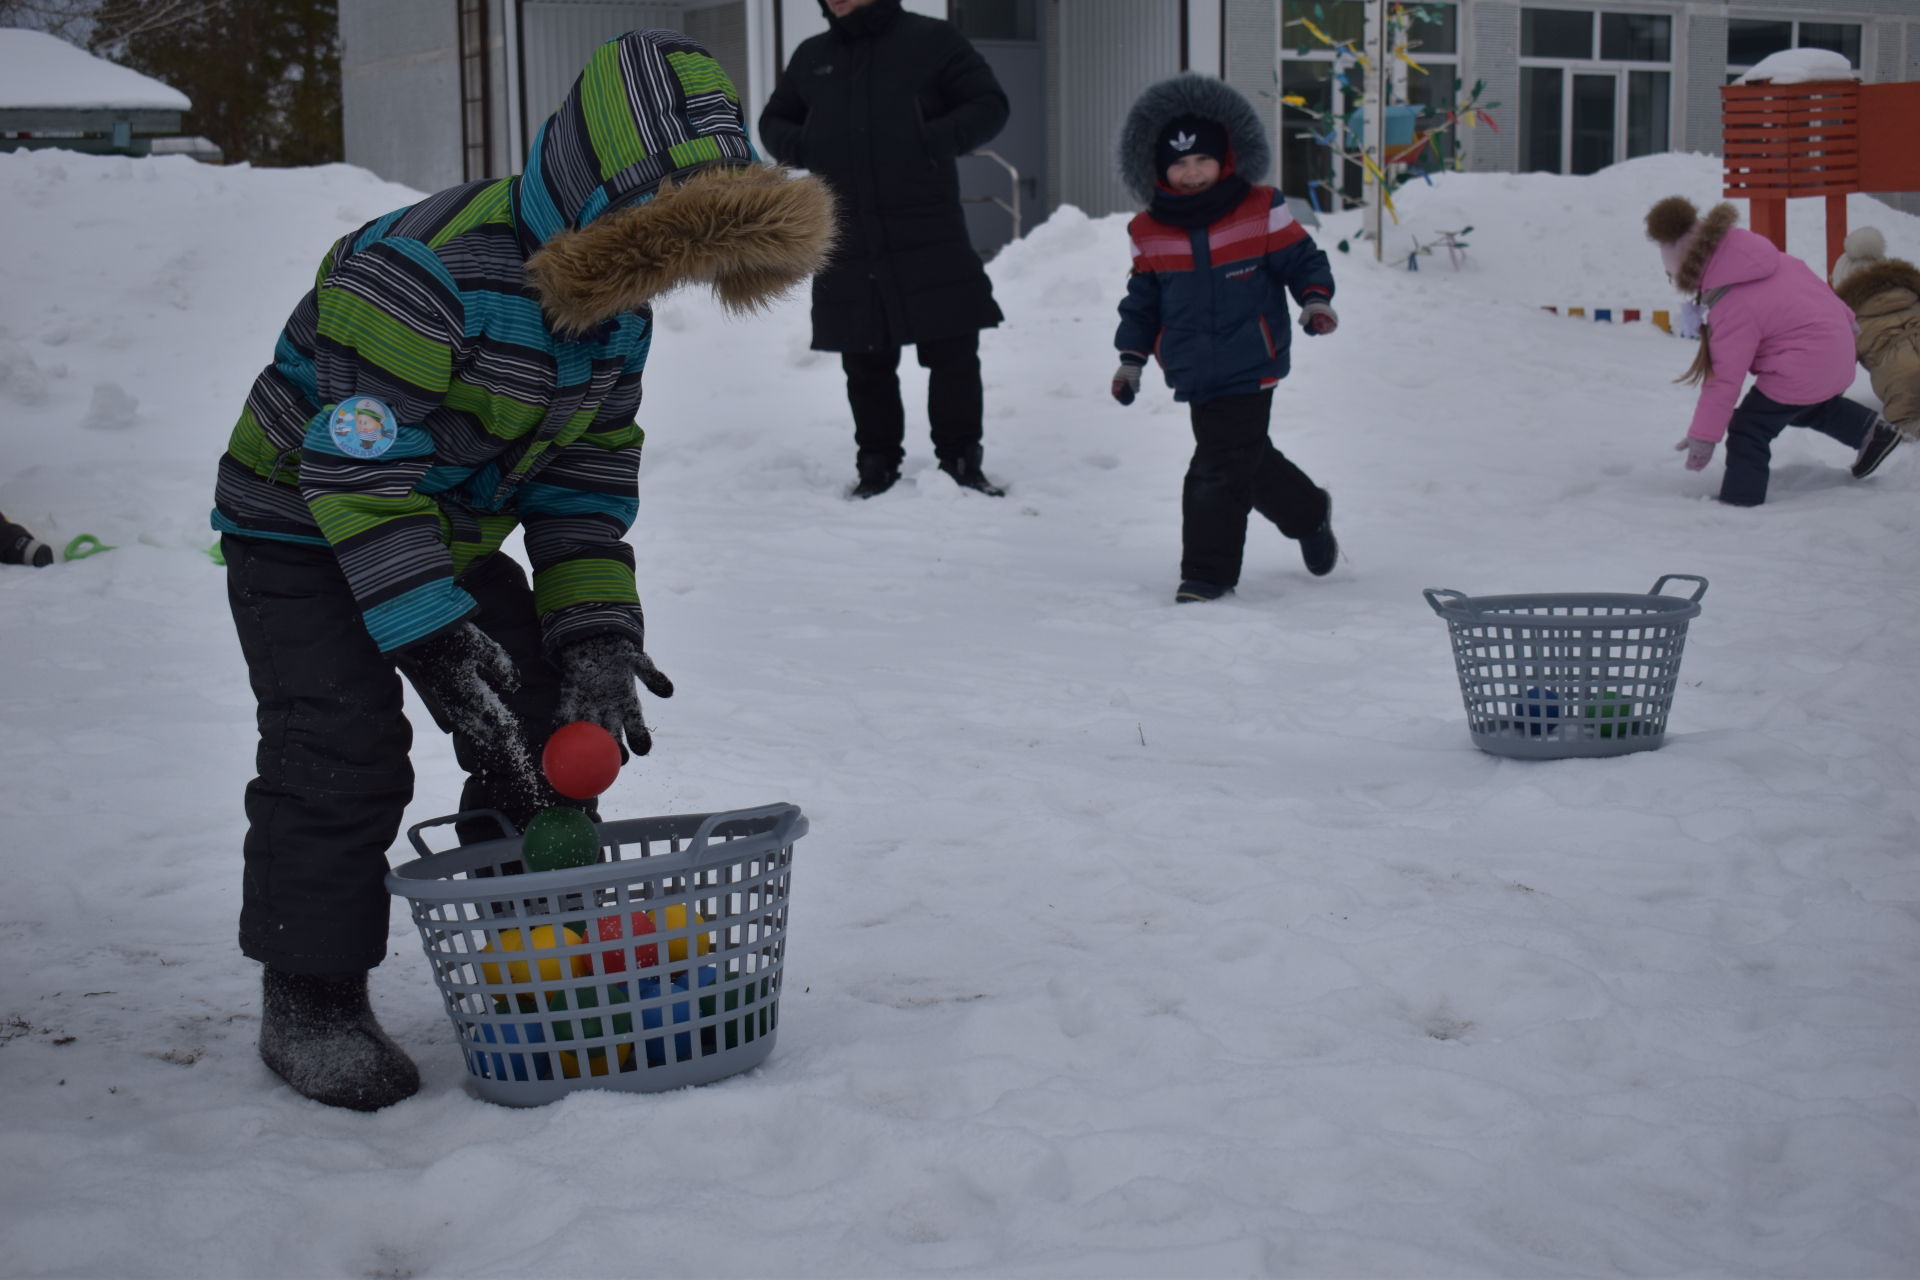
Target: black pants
953	399
1236	469
1759	419
334	778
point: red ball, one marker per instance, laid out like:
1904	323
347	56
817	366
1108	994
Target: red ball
581	760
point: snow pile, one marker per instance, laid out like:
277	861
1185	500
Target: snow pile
39	70
1799	66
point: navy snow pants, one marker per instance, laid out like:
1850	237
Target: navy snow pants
334	778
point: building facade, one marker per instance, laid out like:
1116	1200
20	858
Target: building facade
441	91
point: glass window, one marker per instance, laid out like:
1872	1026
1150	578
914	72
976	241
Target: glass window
1434	92
996	19
1636	37
1540	89
1649	119
1593	122
1340	19
1432	29
1840	37
1750	39
1556	33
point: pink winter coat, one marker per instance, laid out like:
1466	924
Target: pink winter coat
1777	320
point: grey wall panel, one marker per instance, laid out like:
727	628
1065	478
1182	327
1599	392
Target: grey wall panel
1883	57
1492	44
1706	71
1250	63
1109	51
400	90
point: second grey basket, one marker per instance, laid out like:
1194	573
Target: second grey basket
1549	676
657	967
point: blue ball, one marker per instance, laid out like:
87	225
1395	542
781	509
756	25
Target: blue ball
1539	704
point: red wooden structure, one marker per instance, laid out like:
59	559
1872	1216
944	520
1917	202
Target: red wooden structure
1827	138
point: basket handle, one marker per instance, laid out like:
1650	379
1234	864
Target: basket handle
1665	578
787	813
1455	599
413	832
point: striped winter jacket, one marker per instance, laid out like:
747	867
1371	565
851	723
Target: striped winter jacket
1210	302
505	324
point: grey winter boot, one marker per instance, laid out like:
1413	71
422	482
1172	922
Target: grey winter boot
318	1033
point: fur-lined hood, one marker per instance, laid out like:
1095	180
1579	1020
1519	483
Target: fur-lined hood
644	180
1189	94
1674	219
1886	276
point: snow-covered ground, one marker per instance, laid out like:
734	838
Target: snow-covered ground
1128	940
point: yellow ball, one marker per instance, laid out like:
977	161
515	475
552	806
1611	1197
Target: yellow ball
676	918
543	939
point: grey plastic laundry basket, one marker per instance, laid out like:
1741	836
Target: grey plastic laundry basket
1549	676
655	968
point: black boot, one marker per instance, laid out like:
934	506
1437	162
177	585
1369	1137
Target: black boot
877	475
1320	549
17	546
318	1033
965	470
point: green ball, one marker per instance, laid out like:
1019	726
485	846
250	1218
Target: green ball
560	837
1609	705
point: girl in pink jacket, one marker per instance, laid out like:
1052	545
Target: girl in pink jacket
1769	315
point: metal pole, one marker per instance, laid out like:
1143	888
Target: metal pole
1376	118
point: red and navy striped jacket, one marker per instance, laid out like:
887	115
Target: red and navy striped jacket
1210	302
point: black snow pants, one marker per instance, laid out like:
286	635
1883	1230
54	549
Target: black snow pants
334	778
1236	469
1760	418
954	400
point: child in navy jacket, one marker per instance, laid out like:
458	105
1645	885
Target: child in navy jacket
1213	259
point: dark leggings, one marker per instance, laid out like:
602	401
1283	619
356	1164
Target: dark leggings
1236	469
334	778
953	400
1759	419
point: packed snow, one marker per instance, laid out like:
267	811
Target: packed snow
1799	66
39	70
1129	939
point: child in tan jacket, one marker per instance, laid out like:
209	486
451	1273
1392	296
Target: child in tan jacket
1885	296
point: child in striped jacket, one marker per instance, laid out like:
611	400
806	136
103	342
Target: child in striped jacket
464	368
1214	257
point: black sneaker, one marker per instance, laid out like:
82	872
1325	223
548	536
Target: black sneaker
967	474
874	481
17	546
1193	591
1320	549
1881	441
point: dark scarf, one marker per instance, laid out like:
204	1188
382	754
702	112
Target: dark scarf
863	23
1200	208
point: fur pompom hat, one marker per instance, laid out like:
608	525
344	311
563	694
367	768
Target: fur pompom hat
1686	239
1864	248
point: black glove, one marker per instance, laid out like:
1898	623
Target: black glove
597	675
462	672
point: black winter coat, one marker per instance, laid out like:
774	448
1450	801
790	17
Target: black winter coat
879	106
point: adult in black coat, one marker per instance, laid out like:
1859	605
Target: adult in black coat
879	106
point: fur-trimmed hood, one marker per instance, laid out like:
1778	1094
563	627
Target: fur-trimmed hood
1674	221
1869	283
653	120
1188	94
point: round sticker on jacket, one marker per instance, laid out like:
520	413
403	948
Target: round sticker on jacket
363	427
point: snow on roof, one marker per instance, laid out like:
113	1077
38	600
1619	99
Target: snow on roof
39	70
1800	66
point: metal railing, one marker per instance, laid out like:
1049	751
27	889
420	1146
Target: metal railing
1013	208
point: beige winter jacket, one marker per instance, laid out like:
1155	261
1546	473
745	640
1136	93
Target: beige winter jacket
1885	297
